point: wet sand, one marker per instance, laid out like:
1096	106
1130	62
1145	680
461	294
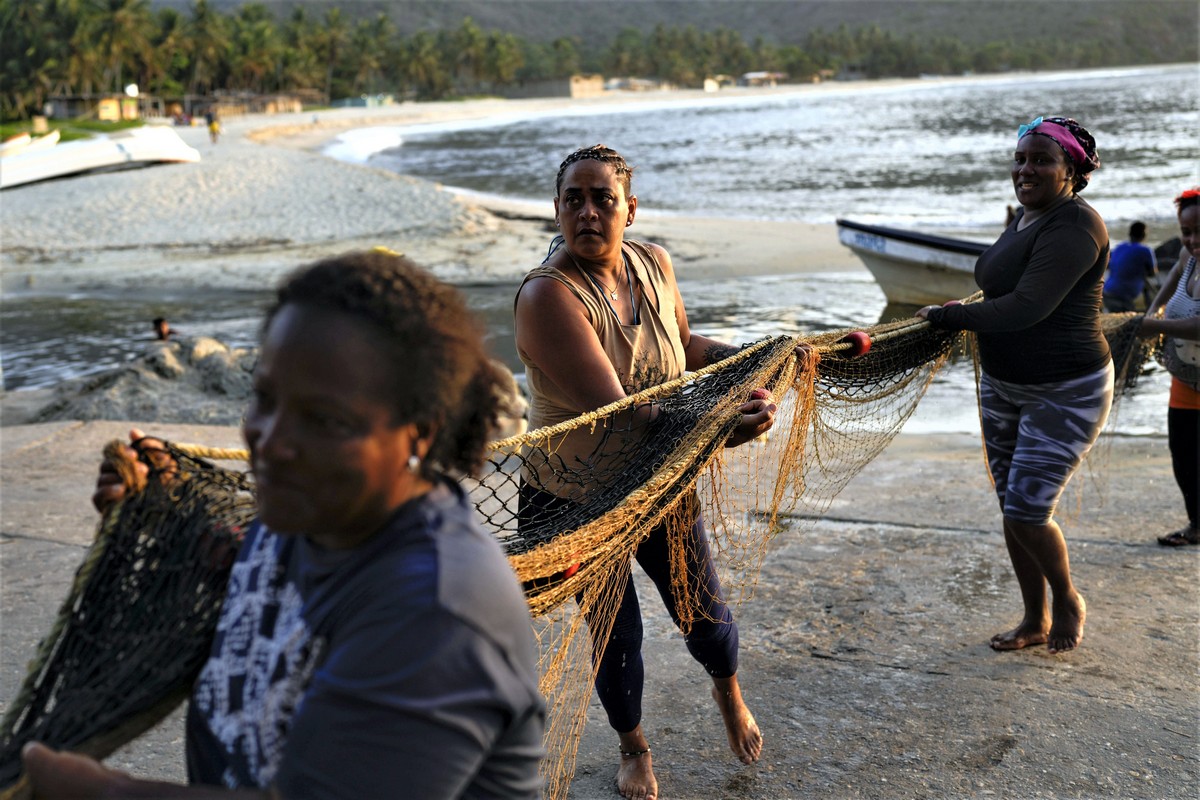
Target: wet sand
864	649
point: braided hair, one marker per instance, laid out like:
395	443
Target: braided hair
441	377
603	154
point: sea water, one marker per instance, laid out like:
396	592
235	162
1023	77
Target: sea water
928	155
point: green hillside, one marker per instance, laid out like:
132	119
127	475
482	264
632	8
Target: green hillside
187	51
1167	25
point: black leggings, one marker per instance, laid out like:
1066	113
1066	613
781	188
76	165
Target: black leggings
712	639
1183	436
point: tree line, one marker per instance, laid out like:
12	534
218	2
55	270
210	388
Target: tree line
73	47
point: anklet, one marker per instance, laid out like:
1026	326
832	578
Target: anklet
634	753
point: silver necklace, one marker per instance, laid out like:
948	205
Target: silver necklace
613	291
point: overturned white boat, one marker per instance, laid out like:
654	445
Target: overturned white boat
134	147
914	268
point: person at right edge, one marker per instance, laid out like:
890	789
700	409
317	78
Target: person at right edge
1047	376
1179	304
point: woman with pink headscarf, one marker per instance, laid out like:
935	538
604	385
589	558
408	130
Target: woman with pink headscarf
1047	375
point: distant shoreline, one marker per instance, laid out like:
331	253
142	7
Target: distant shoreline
263	200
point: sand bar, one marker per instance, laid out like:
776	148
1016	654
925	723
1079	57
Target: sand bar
263	199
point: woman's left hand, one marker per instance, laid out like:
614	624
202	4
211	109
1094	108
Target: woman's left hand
53	774
758	416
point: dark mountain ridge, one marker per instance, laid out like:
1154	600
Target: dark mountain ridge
1158	22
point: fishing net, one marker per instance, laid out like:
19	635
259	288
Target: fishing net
137	623
569	504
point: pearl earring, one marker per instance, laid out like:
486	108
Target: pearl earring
414	463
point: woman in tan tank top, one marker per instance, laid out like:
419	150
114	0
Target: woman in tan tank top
601	319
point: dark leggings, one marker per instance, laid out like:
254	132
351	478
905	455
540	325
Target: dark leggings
1183	436
712	639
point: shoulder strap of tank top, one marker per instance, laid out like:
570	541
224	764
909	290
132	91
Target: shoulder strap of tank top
644	254
648	269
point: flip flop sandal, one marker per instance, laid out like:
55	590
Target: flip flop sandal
1180	538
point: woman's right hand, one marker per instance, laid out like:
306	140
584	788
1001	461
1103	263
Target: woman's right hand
758	416
124	470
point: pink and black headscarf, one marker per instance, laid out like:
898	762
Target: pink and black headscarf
1074	140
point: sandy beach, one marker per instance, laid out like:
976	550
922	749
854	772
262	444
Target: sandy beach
263	200
864	650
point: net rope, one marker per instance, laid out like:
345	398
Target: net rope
568	503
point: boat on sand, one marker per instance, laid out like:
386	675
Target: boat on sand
134	147
914	268
24	143
14	144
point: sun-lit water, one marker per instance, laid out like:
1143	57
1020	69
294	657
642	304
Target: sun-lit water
931	154
925	156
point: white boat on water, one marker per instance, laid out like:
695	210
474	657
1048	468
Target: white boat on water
129	148
914	268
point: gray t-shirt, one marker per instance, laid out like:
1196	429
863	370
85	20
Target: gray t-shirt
405	667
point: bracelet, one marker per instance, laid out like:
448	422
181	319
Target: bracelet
634	753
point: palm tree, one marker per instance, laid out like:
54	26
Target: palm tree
422	67
254	47
626	54
119	31
369	50
30	61
299	65
170	69
469	47
566	57
210	42
503	58
330	40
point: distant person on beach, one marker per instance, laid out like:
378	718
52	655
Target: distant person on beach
1175	314
599	320
163	330
1047	375
375	642
1129	267
214	124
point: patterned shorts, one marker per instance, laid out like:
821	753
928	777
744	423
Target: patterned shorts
1036	436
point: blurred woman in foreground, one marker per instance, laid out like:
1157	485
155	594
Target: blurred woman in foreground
374	641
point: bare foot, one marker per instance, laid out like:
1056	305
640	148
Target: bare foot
635	777
745	740
1024	635
1067	631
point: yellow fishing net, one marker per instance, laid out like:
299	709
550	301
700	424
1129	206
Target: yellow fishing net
569	504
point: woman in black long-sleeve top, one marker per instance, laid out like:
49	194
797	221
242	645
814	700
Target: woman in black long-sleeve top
1047	379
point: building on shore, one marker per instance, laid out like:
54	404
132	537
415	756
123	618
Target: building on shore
762	78
574	86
